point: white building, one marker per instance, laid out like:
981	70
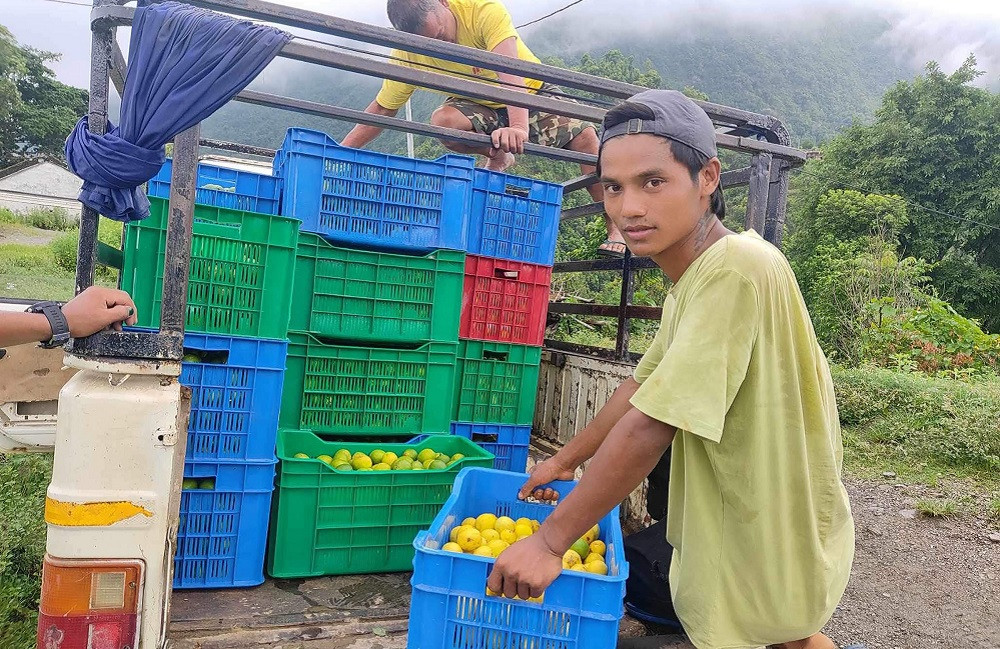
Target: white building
39	184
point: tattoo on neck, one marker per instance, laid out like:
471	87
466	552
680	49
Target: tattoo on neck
702	230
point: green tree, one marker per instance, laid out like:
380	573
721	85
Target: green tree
36	111
932	143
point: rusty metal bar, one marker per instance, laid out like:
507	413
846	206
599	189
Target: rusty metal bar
628	292
735	178
587	350
180	227
774	130
259	151
633	312
777	202
381	121
760	177
583	210
607	263
580	182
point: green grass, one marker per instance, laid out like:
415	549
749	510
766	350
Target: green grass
926	430
23	480
936	507
51	219
993	509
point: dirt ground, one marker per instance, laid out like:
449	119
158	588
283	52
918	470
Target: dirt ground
15	233
917	582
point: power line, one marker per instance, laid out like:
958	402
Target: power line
918	206
70	2
538	20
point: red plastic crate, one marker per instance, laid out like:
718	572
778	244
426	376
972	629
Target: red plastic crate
504	301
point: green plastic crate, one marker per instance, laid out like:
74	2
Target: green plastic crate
325	522
496	382
240	279
376	296
347	390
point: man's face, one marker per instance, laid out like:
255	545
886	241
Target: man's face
649	195
440	24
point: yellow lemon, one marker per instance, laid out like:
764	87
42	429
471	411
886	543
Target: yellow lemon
327	459
522	529
579	567
382	466
593	534
489	535
598	547
470	521
377	456
389	458
485	522
452	547
592	557
342	454
523	521
535	524
426	454
596	567
361	461
469	538
571	558
504	523
509	536
410	453
483	551
497	546
454	533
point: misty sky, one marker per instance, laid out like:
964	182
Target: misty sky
921	29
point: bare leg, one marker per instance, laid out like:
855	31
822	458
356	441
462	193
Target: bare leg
450	117
587	142
817	641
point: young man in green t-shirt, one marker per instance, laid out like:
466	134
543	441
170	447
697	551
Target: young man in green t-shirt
735	383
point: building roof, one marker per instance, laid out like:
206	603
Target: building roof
28	163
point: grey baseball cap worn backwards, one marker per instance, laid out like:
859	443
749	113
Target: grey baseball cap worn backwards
676	117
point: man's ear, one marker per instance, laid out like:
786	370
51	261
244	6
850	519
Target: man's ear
710	176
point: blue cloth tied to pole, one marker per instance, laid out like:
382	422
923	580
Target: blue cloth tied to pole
184	64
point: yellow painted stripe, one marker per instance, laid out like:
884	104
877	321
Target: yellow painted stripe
97	514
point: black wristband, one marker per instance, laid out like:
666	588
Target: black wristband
57	322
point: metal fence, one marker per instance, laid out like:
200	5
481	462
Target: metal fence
763	137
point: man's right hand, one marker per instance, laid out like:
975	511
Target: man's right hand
548	471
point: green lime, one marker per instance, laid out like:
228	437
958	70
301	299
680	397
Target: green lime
207	483
301	456
437	465
189	483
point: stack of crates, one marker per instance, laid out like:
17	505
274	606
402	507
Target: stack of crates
239	293
373	347
513	224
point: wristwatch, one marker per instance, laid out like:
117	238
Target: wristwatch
57	321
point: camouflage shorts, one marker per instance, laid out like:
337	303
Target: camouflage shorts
546	129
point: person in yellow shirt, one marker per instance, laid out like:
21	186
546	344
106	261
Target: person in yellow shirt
485	25
735	384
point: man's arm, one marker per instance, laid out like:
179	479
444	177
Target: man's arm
511	139
583	446
633	448
89	312
362	134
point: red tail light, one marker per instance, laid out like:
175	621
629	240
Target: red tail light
89	604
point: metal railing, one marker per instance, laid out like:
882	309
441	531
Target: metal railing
763	137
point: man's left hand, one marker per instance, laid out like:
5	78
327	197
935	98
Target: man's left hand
525	569
510	139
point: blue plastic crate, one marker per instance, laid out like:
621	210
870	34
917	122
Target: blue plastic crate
579	610
508	443
223	187
514	218
374	200
235	396
222	532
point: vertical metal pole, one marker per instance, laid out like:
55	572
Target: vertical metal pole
180	225
409	136
777	202
628	291
760	177
101	42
